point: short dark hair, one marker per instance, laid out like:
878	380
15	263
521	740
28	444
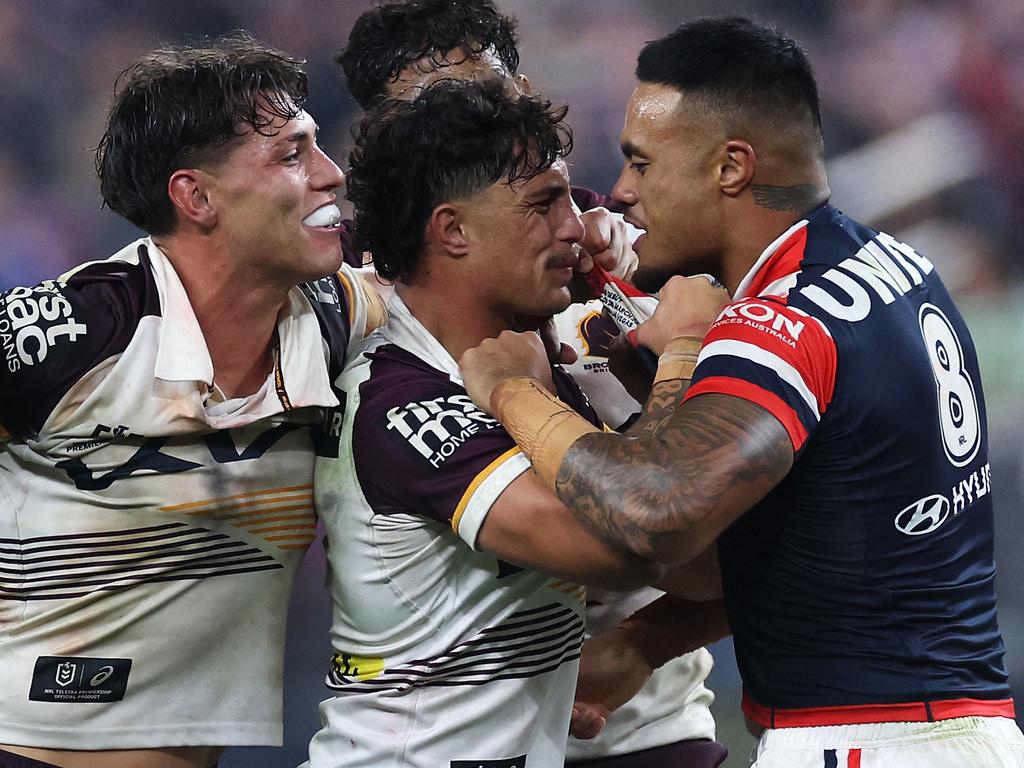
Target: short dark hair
177	106
453	141
388	38
736	63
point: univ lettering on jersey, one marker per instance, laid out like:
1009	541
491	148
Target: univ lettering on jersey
884	268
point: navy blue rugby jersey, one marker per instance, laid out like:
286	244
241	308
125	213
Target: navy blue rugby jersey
861	589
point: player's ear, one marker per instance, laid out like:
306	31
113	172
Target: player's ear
524	84
737	166
447	228
188	191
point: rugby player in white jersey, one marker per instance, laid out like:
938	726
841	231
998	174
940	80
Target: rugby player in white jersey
393	51
458	610
157	458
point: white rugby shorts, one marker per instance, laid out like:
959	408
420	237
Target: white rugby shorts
962	742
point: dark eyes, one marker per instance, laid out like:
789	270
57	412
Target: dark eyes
638	167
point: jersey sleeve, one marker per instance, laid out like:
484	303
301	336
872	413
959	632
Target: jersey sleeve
54	333
366	309
422	447
774	355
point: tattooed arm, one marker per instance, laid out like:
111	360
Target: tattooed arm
668	492
677	479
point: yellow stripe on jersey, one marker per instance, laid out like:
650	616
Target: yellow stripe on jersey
483	475
308	525
302	536
376	309
252	494
350	296
261	512
300	502
573	590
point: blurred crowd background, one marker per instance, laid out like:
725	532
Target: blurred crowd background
923	105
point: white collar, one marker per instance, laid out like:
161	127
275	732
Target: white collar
184	356
764	258
405	331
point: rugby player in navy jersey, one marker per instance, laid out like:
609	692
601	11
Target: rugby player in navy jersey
830	437
156	455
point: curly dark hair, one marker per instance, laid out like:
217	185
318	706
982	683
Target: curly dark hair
176	107
387	39
454	140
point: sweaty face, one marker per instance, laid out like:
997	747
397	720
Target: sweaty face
451	65
275	203
522	242
669	180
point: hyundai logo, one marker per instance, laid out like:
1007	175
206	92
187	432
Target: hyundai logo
923	516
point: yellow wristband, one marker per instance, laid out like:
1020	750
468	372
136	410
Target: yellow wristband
542	425
679	359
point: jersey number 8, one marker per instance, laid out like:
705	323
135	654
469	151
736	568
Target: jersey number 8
959	417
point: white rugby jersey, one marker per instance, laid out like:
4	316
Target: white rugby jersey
149	529
674	704
445	656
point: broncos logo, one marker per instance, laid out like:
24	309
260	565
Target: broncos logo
596	331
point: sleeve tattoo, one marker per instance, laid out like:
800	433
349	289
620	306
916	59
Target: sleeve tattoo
683	473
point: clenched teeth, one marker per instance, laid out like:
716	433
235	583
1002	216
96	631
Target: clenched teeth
324	216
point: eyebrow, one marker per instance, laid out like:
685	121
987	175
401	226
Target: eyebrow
549	190
629	149
297	136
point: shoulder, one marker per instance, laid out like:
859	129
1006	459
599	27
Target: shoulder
396	385
55	332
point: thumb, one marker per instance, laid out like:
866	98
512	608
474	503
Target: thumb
588	720
585	264
567	355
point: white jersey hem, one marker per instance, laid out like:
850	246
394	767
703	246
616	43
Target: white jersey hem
269	734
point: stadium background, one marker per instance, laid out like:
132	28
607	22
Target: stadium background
924	121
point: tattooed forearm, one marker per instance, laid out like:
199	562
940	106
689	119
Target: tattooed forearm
799	197
665	398
667	493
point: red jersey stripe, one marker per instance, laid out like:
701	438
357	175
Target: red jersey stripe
786	261
857	714
775	405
